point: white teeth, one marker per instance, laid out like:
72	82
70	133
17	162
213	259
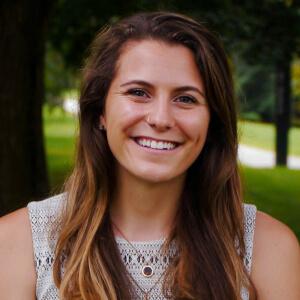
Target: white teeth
153	144
156	145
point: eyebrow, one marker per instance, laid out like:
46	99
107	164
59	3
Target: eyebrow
178	89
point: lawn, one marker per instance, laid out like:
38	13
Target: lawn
275	191
262	135
60	132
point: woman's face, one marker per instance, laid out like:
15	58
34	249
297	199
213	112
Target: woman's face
156	115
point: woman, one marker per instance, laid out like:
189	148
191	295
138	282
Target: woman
153	209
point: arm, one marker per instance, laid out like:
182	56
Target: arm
276	260
17	271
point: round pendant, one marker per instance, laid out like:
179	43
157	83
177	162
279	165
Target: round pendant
147	271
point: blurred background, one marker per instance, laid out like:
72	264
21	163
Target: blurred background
43	45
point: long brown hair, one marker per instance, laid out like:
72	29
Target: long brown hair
209	227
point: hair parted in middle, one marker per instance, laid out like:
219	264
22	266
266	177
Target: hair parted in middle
209	224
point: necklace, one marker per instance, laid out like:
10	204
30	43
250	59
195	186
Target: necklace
147	269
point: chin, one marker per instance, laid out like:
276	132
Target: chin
155	177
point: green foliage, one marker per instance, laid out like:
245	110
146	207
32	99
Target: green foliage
255	89
269	31
58	78
296	90
296	78
73	24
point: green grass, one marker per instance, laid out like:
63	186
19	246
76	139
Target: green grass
262	135
60	131
275	191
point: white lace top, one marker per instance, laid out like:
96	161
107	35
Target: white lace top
44	214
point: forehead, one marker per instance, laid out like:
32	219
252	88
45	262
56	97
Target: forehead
157	61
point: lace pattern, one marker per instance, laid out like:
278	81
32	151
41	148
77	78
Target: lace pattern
45	214
134	262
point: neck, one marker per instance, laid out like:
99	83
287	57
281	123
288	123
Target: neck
145	211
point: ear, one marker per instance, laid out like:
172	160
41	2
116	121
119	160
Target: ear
102	121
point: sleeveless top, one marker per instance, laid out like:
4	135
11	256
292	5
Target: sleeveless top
44	214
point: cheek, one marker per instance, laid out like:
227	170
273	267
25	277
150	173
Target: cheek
195	126
122	114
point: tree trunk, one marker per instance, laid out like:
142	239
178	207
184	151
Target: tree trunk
283	110
23	169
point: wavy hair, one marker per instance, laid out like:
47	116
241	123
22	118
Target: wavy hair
209	225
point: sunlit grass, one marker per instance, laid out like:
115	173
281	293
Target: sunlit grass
262	135
60	131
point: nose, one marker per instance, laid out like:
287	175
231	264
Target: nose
160	115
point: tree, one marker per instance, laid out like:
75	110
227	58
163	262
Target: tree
23	169
74	23
272	36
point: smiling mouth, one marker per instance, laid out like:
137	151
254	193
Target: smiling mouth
155	144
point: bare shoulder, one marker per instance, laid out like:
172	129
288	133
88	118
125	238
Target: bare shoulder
276	260
17	272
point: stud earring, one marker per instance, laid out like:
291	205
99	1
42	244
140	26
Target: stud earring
101	127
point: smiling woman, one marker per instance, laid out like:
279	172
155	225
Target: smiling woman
153	208
155	115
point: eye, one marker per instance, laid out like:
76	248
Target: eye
137	92
186	99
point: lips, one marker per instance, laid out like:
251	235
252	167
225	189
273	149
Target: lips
155	143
